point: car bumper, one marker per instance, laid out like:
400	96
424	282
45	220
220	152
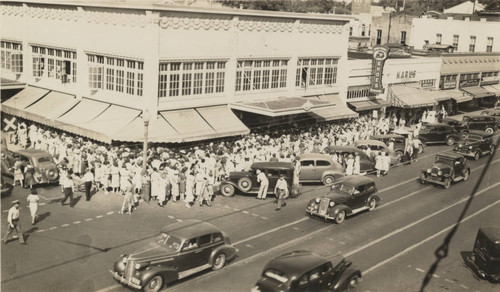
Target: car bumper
433	180
124	281
313	213
472	265
466	153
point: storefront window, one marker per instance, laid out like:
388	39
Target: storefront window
448	81
428	83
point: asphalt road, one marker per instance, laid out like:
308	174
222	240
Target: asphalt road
72	249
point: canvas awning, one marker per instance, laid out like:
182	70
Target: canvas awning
457	95
477	91
493	89
11	84
371	104
281	106
17	104
223	120
50	107
409	96
337	112
159	130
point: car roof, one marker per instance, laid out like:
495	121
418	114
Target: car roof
386	136
449	155
436	124
449	119
478	116
33	152
480	133
343	148
272	165
493	233
369	142
356	180
190	228
314	156
298	262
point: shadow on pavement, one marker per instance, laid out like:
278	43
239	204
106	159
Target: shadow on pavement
42	216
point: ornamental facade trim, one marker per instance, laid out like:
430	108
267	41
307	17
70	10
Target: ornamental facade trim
326	27
197	22
265	24
113	17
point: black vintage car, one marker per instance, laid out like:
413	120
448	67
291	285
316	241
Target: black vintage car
447	168
348	196
485	258
181	249
305	271
246	181
43	163
435	133
480	122
478	143
399	142
367	163
493	112
461	128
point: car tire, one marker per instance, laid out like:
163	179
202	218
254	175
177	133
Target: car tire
227	190
400	155
450	141
51	175
477	155
372	203
328	180
154	284
352	283
489	130
339	218
466	175
219	261
420	149
464	135
245	184
447	183
492	149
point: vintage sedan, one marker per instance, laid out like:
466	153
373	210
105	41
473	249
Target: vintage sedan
478	143
319	168
492	112
347	197
45	168
434	133
379	146
367	163
462	129
480	122
246	181
407	134
181	249
484	260
305	271
447	168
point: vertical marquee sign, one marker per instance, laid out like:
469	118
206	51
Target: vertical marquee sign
379	56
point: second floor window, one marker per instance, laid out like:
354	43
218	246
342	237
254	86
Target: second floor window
472	44
11	56
379	36
54	64
489	44
403	37
455	41
252	75
438	38
316	72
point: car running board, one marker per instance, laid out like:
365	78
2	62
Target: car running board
458	178
354	211
192	271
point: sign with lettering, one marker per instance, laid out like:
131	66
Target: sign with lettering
379	56
469	82
489	80
448	84
407	74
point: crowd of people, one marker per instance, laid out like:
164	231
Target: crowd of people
190	173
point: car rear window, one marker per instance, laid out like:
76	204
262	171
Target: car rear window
45	159
276	275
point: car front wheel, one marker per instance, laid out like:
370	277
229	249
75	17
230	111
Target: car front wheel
353	283
328	180
227	190
477	155
245	184
450	141
340	217
372	204
489	130
447	183
219	262
154	285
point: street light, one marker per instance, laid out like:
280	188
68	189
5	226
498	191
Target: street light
145	182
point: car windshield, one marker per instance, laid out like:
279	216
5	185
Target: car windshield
466	119
343	188
169	241
276	275
45	159
443	160
474	138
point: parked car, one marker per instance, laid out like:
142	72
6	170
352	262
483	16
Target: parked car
319	168
367	163
478	143
461	128
305	271
45	168
407	134
246	181
348	196
485	257
399	141
480	122
180	250
379	146
447	168
439	48
434	133
493	112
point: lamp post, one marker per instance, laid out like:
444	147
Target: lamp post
145	180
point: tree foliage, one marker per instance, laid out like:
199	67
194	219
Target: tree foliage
311	6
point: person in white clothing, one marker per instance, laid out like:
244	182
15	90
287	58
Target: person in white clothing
33	199
264	185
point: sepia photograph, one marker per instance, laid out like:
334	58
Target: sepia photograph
250	145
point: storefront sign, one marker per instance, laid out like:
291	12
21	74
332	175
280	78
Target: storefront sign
379	57
469	83
489	80
408	74
449	84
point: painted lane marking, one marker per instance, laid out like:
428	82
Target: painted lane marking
271	230
416	222
449	281
246	212
179	220
77	222
253	214
249	245
52	228
65	225
42	204
435	276
88	219
99	216
265	218
420	270
226	206
295	228
404	252
171	217
109	213
465	287
235	209
41	230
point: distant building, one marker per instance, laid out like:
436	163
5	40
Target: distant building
391	28
360	6
467	7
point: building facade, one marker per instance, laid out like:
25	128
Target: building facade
168	60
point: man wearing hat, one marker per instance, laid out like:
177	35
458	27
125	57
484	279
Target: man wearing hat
88	178
281	190
14	223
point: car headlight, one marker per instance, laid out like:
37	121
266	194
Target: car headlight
139	266
440	172
428	170
124	259
317	200
460	145
332	204
470	147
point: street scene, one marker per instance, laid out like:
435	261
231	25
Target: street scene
250	145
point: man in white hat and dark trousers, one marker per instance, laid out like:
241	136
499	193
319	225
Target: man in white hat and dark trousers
88	178
281	190
14	223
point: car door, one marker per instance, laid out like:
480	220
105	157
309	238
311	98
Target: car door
188	256
204	250
321	167
273	176
312	281
457	166
253	179
307	170
358	197
366	163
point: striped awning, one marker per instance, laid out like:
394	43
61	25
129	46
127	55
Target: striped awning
409	96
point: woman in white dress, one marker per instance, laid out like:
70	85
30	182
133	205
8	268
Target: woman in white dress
379	163
33	199
115	178
349	165
357	164
189	189
386	162
162	189
124	175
